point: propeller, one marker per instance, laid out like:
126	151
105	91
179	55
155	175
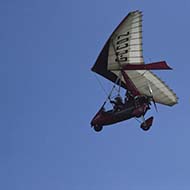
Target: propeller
152	98
155	106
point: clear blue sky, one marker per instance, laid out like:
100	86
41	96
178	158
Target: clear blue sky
49	95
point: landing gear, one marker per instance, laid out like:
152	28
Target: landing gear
98	128
147	124
144	127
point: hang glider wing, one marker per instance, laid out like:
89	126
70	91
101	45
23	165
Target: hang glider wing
144	80
124	47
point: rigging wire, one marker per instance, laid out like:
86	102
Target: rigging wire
110	93
119	83
137	120
101	85
108	98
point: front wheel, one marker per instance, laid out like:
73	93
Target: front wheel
98	128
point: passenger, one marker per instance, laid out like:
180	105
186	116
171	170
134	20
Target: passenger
118	103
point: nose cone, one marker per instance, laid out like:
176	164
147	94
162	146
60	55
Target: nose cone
92	123
96	120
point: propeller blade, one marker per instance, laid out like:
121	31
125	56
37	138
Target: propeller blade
151	94
155	106
149	88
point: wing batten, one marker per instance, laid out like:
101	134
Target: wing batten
161	92
126	42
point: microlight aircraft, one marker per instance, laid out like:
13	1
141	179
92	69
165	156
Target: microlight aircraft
121	61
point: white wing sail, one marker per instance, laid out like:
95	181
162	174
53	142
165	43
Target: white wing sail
124	47
126	42
160	91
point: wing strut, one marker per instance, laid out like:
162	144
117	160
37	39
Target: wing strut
118	80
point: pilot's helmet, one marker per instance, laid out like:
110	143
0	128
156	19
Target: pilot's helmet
118	99
136	97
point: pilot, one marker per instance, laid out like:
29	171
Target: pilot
118	103
129	99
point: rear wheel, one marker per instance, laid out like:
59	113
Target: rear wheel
145	127
98	128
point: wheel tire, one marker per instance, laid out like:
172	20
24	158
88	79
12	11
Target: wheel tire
98	128
145	128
